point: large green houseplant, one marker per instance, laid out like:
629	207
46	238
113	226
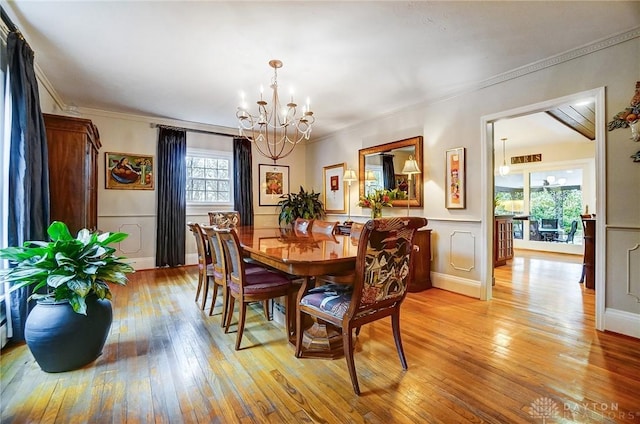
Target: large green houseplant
70	278
303	204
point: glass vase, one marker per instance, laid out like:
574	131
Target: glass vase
376	212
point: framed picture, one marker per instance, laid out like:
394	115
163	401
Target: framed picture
333	192
455	179
274	182
128	171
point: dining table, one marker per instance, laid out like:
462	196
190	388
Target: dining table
305	255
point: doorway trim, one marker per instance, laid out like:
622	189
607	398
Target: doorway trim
488	166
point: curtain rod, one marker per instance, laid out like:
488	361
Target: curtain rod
169	127
7	20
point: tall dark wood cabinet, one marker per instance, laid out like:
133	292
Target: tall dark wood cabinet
503	240
73	145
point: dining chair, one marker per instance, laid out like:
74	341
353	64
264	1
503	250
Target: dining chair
224	219
384	269
323	227
205	267
256	286
220	274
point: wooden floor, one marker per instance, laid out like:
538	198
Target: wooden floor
531	355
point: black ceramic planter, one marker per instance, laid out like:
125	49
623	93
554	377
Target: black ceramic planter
63	340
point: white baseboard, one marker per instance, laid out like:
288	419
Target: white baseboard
622	322
455	284
150	263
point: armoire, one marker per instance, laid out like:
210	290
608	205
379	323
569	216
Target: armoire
73	145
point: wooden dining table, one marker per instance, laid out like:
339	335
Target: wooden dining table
305	255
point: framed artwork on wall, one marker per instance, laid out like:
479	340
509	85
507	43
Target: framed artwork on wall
128	171
333	192
274	182
455	179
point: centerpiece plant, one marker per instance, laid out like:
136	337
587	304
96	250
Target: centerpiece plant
303	204
70	280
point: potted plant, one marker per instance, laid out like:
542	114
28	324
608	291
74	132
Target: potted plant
300	205
70	276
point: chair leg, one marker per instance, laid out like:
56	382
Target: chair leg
243	313
205	292
298	332
232	301
225	306
199	285
291	312
215	296
347	342
395	324
265	306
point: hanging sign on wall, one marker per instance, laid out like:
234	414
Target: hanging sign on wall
526	158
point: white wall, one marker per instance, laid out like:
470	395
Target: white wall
457	234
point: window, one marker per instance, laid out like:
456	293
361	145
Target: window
209	177
556	195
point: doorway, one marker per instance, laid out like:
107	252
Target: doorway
493	156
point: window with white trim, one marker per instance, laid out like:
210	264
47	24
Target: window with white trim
209	177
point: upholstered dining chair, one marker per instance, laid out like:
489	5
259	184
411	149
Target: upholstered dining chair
384	270
220	274
255	286
224	219
205	267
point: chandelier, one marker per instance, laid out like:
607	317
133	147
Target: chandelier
275	131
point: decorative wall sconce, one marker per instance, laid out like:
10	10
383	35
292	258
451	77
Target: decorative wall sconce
630	117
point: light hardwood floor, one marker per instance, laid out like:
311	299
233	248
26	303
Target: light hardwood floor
530	355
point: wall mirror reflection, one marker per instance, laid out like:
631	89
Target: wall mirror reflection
380	167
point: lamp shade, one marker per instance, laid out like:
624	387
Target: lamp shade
410	167
350	176
369	175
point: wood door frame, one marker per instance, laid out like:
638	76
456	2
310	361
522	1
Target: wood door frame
488	165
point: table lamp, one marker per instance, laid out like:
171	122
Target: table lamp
349	177
410	168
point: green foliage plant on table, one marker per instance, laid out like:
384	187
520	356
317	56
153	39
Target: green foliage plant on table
304	204
70	268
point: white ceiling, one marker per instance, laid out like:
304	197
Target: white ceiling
354	59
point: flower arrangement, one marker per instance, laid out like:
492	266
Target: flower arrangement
376	199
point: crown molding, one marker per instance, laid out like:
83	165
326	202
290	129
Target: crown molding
561	58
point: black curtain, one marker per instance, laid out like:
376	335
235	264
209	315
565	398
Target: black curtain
172	197
388	172
28	165
243	190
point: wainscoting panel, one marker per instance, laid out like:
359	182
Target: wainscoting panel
622	279
462	250
140	246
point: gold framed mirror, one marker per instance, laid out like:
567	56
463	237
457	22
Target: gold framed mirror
371	169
